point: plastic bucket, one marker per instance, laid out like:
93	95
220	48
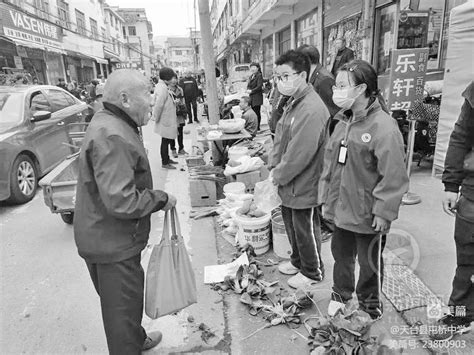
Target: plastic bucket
281	244
254	231
237	188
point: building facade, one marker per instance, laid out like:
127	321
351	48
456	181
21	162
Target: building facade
261	30
75	40
138	34
180	54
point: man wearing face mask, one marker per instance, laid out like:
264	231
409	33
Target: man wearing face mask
297	162
114	201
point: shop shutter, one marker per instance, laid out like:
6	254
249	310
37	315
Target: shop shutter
337	10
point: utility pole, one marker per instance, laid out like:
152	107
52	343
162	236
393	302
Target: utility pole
209	65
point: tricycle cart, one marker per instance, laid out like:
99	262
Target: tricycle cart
59	185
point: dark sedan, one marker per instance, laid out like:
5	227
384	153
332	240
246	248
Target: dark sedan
34	124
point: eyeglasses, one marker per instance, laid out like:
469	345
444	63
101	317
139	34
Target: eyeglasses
285	77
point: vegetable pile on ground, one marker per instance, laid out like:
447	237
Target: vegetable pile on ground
345	333
266	298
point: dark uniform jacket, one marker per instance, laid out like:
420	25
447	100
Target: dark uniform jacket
115	196
190	87
323	81
255	85
459	160
343	56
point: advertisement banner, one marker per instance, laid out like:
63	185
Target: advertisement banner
407	77
18	25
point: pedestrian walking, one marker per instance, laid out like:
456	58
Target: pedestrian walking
191	93
458	180
178	97
296	164
249	116
114	201
343	55
255	90
362	186
164	115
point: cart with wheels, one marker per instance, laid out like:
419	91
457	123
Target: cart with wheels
59	185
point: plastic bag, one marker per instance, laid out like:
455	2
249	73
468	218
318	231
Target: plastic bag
170	281
266	196
247	164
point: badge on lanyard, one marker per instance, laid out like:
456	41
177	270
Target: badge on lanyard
342	153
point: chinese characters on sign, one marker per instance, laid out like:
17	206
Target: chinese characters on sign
407	77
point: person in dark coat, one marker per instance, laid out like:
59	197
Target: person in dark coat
62	84
255	90
114	201
191	93
458	180
344	55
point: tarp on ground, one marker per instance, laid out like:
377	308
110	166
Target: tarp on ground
459	72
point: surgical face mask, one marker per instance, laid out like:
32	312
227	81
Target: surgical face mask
345	97
289	87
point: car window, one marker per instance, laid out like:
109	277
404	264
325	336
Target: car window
10	107
39	102
58	99
242	68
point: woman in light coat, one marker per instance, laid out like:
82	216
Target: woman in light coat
164	115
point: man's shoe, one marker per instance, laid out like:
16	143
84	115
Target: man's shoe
152	340
168	166
335	307
173	162
182	152
174	153
448	326
301	281
287	268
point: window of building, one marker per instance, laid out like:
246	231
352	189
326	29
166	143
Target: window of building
63	13
103	34
111	19
284	40
94	28
385	38
307	30
42	8
124	31
132	31
178	52
81	22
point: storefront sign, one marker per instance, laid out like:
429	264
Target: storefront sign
407	77
18	25
413	29
18	62
126	66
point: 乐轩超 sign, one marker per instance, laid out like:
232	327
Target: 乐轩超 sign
407	77
18	25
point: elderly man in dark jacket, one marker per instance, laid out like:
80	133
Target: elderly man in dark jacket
114	201
191	93
255	90
344	55
458	177
296	163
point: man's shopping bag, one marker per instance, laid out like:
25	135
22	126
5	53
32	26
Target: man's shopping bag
170	281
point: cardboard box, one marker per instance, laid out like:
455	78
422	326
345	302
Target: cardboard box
202	193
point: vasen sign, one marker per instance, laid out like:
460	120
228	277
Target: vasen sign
18	25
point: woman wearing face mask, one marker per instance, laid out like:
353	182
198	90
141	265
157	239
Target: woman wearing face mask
255	90
362	185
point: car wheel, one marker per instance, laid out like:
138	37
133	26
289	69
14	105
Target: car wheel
23	180
68	217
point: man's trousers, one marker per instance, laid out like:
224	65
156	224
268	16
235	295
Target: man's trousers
304	233
462	296
120	287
